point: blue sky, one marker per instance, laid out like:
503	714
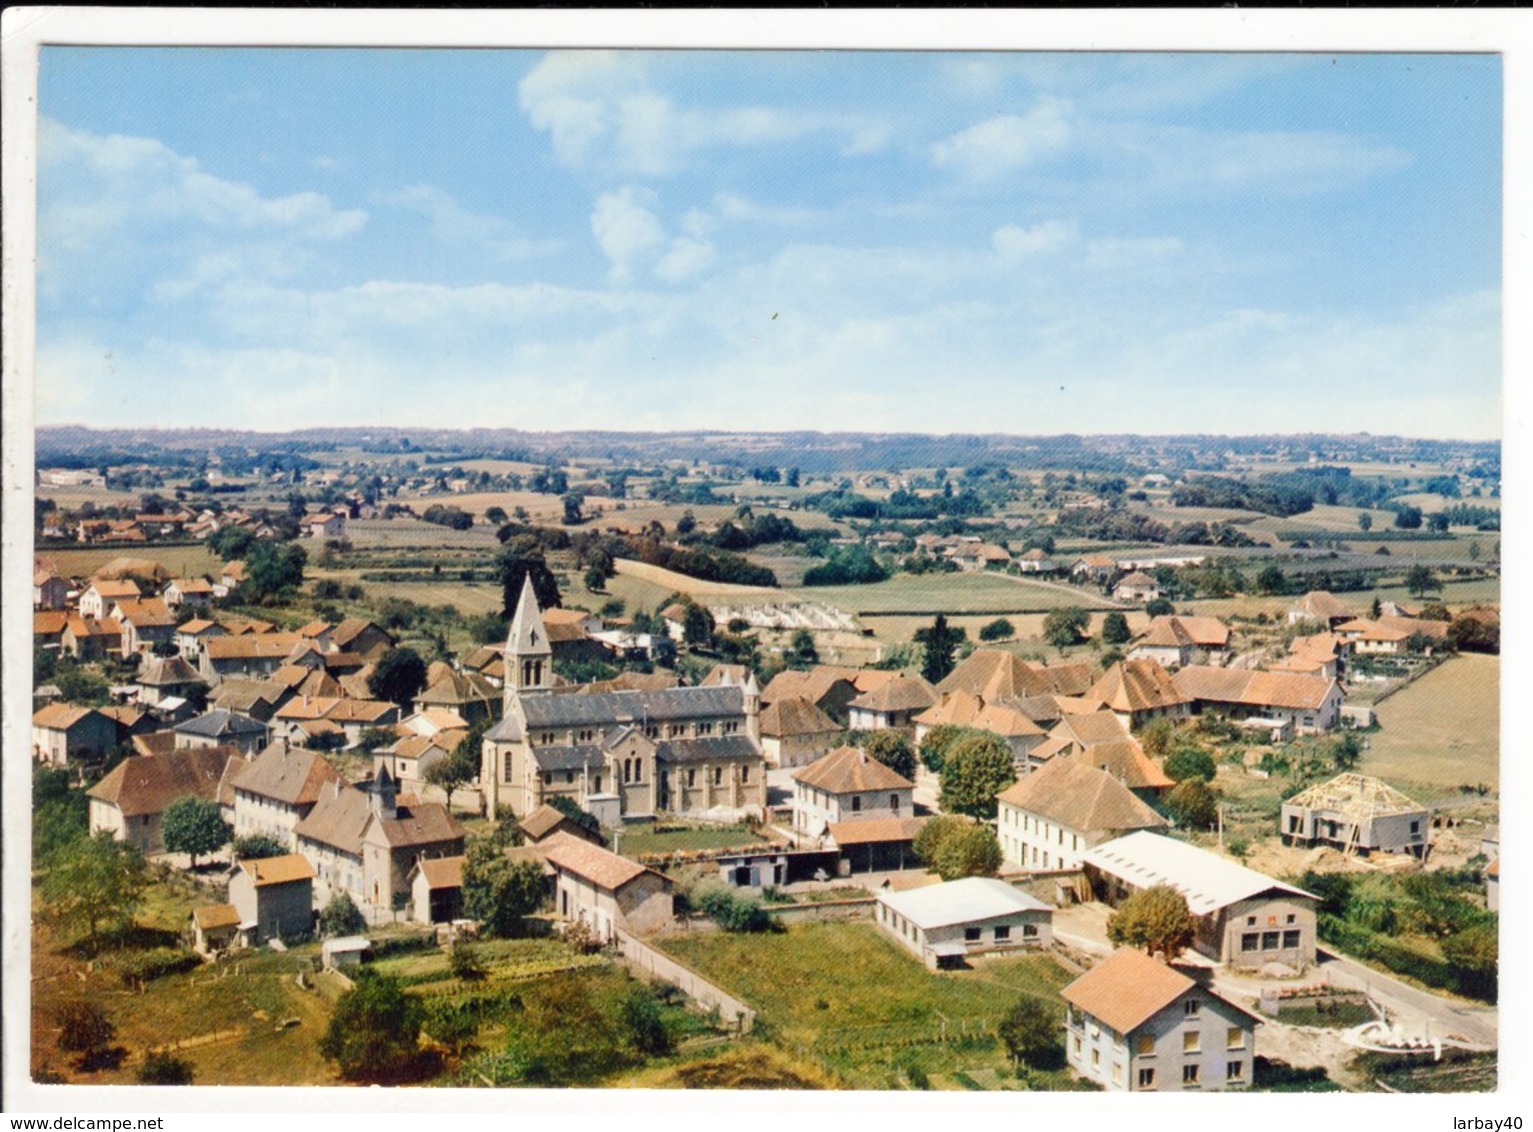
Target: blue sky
1026	243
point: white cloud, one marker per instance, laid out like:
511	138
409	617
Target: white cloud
733	206
605	110
684	259
450	223
1015	242
1115	253
627	230
1007	142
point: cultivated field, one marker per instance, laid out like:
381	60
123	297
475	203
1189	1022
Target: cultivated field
1442	731
182	561
953	594
672	582
848	996
397	534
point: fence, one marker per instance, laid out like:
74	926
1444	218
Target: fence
648	962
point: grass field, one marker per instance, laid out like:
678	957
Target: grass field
853	999
1442	731
398	534
640	840
950	593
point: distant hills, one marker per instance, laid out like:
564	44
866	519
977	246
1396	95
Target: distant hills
822	452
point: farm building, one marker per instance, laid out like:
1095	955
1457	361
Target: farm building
943	923
1172	641
1135	1024
607	892
1137	691
1356	813
1311	703
436	889
1245	919
1047	819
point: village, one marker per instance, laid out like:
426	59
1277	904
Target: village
1174	769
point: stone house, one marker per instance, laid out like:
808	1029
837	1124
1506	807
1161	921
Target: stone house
608	892
274	897
1049	818
846	786
131	799
891	705
277	790
66	735
795	732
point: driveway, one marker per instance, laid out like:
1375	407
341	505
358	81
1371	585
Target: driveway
1416	1011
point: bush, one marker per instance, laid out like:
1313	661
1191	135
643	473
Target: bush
465	963
161	1068
136	968
341	917
733	911
258	847
1033	1032
1190	762
998	630
954	847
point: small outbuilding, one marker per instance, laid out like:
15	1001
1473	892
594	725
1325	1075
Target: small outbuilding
943	924
215	928
436	890
344	951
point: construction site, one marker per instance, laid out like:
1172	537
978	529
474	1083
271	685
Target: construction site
1357	815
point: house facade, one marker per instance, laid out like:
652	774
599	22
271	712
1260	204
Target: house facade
274	897
1048	819
65	735
607	892
848	786
1135	1024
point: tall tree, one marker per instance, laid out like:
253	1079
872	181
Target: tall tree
522	557
497	892
977	768
801	650
1115	629
398	676
1156	919
1033	1033
94	881
893	749
1065	627
939	646
1421	580
954	847
194	826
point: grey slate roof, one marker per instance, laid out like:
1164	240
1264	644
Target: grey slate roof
605	708
583	757
219	723
707	750
508	730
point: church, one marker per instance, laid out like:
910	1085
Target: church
692	752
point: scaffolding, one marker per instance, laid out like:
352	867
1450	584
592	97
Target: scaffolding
1353	801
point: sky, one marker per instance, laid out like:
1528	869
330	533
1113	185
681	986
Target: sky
1026	243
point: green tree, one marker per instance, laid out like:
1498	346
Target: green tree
60	815
574	504
1346	749
1156	919
1115	629
257	847
954	847
94	881
1065	627
1193	804
465	962
84	1027
398	677
1271	580
977	768
194	826
521	558
273	571
1190	762
1421	580
341	916
893	749
939	643
935	746
44	663
643	1022
497	892
1473	952
802	652
462	766
1364	521
161	1068
1155	737
1033	1033
998	630
1160	607
571	809
374	1033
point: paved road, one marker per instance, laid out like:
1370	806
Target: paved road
1477	1024
1087	597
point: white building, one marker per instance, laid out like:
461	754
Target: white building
1049	818
846	785
942	924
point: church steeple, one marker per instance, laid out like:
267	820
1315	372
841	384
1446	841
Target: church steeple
528	657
